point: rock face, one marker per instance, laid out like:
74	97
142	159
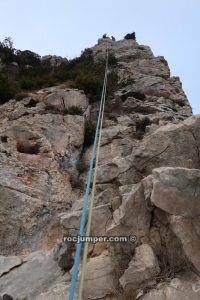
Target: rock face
39	154
147	186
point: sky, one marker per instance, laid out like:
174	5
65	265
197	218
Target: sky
66	27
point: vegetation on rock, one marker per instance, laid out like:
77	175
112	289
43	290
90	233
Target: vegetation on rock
90	129
7	91
34	73
130	36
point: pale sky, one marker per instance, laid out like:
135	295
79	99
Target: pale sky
66	27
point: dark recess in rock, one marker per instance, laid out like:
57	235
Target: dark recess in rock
32	103
27	147
136	95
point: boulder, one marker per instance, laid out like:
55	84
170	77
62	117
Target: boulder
110	171
71	220
188	232
172	145
100	220
183	287
57	292
63	254
62	99
116	148
132	217
142	269
175	190
99	278
113	132
37	272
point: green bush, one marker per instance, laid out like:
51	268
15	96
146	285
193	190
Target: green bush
112	83
61	73
28	58
74	110
26	83
7	52
90	129
88	75
81	73
112	61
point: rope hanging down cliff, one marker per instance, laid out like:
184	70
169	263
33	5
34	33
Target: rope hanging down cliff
96	147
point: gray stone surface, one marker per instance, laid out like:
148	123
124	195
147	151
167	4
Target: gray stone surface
142	268
37	273
172	145
132	217
58	292
63	254
99	278
8	263
183	287
176	191
63	99
187	230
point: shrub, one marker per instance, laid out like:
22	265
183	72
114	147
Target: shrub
7	92
91	84
74	110
7	52
28	83
112	61
61	73
88	75
130	36
81	73
89	135
112	83
28	58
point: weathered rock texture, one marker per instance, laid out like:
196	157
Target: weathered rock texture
147	186
39	154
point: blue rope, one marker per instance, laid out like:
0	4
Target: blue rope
84	212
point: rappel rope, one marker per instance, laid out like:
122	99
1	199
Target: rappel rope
96	148
91	203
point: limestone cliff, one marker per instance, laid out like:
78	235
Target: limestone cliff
147	186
